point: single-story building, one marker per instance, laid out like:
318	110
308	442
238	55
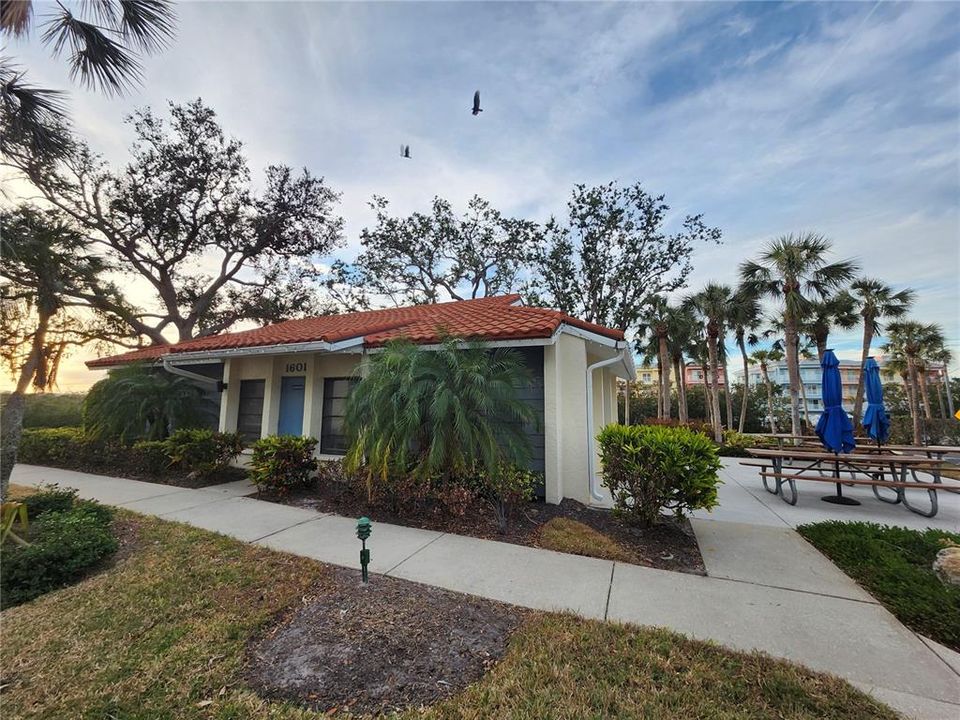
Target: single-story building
293	377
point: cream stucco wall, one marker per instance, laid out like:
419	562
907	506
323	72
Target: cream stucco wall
314	367
566	441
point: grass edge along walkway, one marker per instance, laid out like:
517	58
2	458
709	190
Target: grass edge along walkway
162	632
894	564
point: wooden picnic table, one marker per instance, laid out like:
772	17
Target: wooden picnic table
896	472
864	444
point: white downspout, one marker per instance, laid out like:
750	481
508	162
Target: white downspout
187	374
591	463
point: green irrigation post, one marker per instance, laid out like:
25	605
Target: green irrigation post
363	532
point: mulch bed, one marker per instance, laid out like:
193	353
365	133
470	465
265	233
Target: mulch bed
227	475
668	545
378	648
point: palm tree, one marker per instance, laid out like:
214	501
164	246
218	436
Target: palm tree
743	317
914	341
712	305
876	301
793	270
763	358
105	40
445	412
804	351
657	322
138	403
836	311
683	331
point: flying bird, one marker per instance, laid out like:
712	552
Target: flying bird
476	103
405	151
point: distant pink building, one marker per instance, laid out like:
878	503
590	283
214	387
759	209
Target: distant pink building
694	374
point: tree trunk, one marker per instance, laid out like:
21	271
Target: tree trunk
821	348
793	373
864	354
659	406
626	404
727	397
803	399
659	388
914	382
746	384
664	361
682	410
905	378
925	392
11	424
769	386
715	381
707	390
946	387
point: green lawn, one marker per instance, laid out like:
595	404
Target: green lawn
894	565
161	634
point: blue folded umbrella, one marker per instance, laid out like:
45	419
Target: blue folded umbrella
834	427
875	420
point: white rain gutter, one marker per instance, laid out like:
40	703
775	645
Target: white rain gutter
591	455
197	377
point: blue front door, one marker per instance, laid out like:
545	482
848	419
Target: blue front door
291	405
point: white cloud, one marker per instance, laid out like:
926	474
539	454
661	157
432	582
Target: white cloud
848	125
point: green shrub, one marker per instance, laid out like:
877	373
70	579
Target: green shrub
895	565
49	498
64	543
149	457
50	446
283	462
699	426
649	468
506	488
194	454
202	453
43	410
735	444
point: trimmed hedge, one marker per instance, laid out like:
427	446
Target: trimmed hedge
196	455
67	537
649	468
894	564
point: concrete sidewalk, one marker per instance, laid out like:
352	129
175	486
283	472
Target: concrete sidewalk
743	500
767	588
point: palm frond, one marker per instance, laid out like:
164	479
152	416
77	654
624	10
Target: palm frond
96	60
33	118
149	24
15	16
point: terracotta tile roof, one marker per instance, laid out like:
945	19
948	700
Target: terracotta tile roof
491	318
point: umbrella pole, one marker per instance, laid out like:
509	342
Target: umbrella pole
838	499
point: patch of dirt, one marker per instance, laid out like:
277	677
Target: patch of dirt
127	531
668	545
381	647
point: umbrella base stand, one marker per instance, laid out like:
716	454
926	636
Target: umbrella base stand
839	499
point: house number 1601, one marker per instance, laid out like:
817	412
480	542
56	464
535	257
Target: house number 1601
296	367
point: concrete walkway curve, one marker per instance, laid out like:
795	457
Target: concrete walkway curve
767	589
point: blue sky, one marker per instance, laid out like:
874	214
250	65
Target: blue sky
768	118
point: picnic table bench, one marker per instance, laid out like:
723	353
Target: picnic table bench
897	472
865	445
